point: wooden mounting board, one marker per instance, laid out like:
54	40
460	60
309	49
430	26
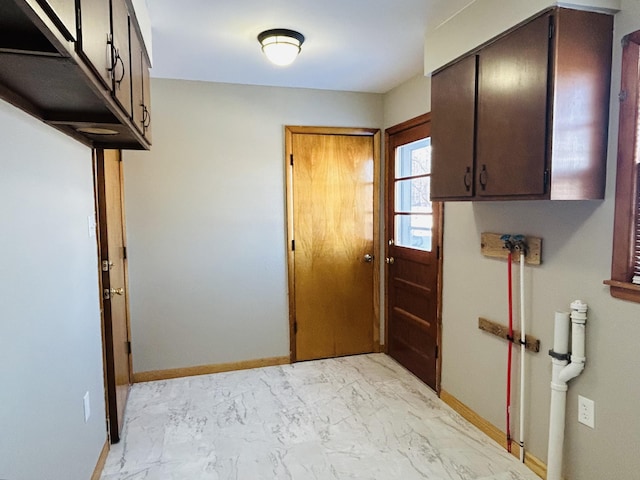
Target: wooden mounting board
492	246
532	343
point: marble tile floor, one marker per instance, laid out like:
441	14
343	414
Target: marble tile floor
362	417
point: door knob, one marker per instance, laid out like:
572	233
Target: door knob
390	260
116	291
368	258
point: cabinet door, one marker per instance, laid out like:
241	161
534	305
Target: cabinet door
121	73
95	37
146	97
63	13
512	112
140	88
136	81
453	93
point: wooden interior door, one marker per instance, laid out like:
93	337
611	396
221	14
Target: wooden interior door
332	264
414	230
113	266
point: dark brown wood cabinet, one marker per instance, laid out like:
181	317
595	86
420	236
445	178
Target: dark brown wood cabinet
120	55
535	126
80	81
140	83
453	135
95	38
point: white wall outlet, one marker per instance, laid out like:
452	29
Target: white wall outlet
586	411
87	407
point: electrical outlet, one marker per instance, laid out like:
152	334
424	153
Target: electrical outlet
586	411
87	407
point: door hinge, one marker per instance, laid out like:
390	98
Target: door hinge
128	347
295	327
438	252
437	351
124	253
291	159
623	95
293	245
551	27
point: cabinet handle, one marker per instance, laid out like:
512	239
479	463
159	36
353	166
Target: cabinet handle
146	117
483	177
115	55
119	59
467	179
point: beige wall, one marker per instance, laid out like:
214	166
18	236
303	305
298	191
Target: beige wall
482	20
218	292
577	240
407	101
50	336
206	219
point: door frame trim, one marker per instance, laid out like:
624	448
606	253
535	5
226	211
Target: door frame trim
289	131
394	130
103	251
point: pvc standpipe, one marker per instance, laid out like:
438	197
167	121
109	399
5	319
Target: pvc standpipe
561	374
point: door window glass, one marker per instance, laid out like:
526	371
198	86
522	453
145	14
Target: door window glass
413	211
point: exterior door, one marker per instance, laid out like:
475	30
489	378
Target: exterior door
413	251
113	266
332	262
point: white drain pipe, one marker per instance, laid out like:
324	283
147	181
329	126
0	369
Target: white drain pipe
561	375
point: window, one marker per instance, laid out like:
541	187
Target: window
413	216
625	266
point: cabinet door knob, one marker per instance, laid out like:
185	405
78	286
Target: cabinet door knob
467	179
483	177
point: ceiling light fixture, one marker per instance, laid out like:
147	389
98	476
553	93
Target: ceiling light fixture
281	46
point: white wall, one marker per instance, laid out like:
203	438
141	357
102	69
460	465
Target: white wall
206	219
577	241
50	340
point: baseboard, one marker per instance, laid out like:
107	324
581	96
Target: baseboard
101	461
493	432
153	375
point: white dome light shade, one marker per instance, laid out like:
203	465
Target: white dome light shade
281	46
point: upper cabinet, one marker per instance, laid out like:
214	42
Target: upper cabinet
121	55
526	116
95	42
70	64
140	85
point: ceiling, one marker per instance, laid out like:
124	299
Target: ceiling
351	45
